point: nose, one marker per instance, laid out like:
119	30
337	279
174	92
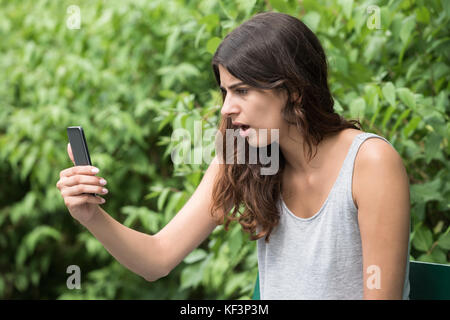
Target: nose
228	107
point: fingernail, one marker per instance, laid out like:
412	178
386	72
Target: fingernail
95	170
102	181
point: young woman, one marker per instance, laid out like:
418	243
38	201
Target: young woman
329	225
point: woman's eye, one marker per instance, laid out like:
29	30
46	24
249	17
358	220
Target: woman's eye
238	91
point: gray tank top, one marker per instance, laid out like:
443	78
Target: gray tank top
319	257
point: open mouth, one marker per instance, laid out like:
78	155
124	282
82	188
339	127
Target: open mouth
244	130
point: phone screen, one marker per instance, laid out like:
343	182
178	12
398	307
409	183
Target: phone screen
79	146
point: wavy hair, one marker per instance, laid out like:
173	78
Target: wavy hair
278	52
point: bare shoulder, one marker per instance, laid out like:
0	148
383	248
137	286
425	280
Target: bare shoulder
375	149
376	162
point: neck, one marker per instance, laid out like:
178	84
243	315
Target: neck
295	151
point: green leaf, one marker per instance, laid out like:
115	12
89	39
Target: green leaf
21	282
346	7
21	255
387	116
444	240
423	15
246	5
212	44
399	121
312	20
191	276
407	28
229	8
389	93
411	126
338	106
29	243
28	163
199	34
427	191
371	97
211	21
39	234
235	241
436	256
423	239
357	108
35	277
432	146
172	42
162	198
279	5
372	50
407	97
341	64
174	202
194	256
446	5
234	282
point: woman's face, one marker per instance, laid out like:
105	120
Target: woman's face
259	109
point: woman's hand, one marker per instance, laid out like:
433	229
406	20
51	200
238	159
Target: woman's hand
75	184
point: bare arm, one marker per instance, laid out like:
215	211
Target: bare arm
139	252
193	223
150	256
383	216
154	256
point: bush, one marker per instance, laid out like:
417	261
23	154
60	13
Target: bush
137	70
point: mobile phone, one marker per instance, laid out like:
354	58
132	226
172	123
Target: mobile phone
79	147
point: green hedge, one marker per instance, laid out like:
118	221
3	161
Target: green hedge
137	70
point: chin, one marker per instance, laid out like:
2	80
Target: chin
257	142
263	139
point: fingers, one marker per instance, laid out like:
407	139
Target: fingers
69	151
80	179
79	189
86	170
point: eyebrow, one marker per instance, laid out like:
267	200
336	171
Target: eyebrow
233	85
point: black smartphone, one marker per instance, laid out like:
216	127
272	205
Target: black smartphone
79	147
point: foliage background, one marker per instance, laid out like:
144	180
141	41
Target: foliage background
137	70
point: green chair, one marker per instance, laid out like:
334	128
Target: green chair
428	281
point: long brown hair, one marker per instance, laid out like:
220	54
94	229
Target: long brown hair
272	51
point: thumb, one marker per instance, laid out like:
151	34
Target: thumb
69	151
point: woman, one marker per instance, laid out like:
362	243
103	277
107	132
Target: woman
333	225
